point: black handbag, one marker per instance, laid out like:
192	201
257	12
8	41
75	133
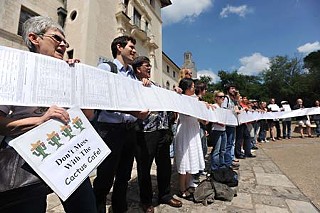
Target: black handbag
14	171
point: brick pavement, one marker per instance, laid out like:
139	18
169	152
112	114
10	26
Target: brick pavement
262	188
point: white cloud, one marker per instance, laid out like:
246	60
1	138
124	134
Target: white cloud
184	9
215	77
308	47
241	11
254	64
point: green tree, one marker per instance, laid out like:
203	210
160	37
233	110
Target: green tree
248	85
208	97
312	64
285	79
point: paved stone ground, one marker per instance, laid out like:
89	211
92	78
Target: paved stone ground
263	188
299	160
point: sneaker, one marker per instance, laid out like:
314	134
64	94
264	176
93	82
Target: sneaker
254	147
235	164
193	182
234	167
193	185
204	173
267	141
250	156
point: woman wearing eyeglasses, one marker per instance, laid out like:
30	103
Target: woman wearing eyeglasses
42	35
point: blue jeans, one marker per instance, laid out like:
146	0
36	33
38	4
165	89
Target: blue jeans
242	138
263	130
229	155
217	154
317	130
256	127
286	129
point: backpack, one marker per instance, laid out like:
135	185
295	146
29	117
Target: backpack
223	192
226	176
209	190
204	193
113	66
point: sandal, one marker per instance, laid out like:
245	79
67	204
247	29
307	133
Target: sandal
186	195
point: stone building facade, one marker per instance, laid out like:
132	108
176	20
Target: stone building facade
90	27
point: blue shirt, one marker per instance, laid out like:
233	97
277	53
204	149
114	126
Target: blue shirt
117	117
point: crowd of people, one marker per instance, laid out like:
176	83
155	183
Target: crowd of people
142	135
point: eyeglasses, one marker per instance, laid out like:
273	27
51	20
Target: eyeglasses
56	38
220	96
189	73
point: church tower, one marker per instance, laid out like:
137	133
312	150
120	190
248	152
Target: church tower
189	64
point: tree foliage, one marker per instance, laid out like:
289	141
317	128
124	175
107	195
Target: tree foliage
286	79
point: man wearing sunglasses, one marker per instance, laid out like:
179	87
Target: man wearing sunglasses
230	103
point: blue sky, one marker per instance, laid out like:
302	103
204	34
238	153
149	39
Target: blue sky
239	34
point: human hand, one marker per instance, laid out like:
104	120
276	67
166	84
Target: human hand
146	82
55	112
141	114
72	61
213	107
178	90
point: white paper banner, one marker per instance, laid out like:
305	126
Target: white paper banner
62	155
31	79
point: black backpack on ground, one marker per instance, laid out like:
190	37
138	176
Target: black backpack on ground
226	176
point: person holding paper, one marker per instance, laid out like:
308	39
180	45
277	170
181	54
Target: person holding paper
153	141
303	120
218	137
230	102
263	124
316	118
43	36
275	123
243	136
118	130
188	150
286	122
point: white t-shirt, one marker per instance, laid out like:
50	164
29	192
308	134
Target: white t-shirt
216	126
274	107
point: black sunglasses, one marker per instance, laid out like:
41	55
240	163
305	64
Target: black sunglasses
56	38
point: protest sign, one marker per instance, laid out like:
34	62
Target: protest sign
62	155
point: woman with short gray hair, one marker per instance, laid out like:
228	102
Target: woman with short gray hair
21	190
